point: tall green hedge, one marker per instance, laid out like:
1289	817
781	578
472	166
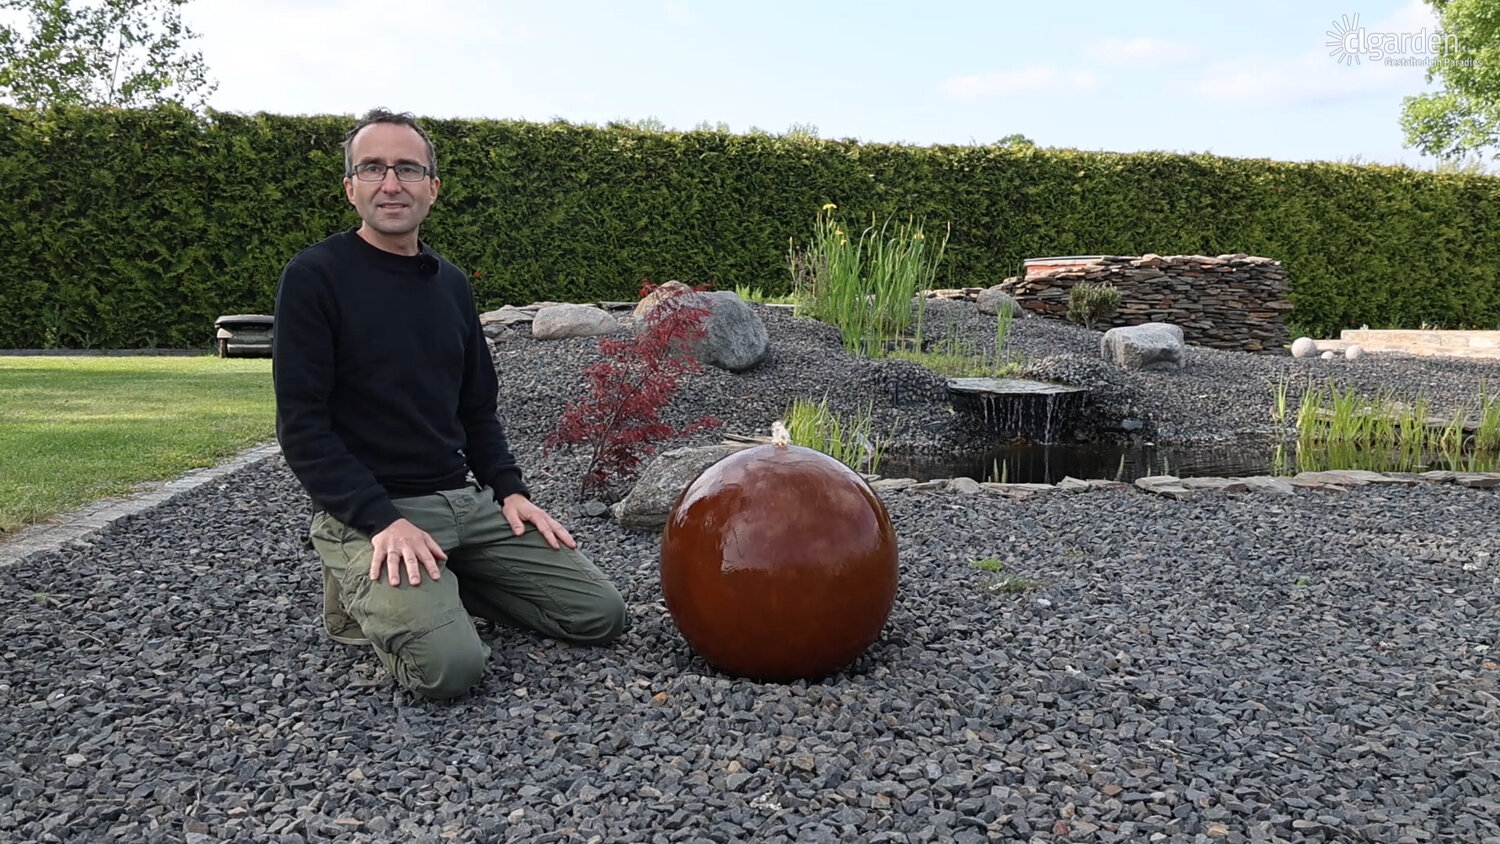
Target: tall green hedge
138	228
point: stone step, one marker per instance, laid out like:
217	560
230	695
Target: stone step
1469	344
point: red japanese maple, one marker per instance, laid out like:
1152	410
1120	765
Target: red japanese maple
619	420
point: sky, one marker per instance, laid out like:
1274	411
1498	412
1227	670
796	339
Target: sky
1293	80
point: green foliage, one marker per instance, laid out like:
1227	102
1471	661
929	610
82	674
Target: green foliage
1463	117
129	228
122	53
1338	428
756	294
851	442
954	358
865	286
1088	303
996	582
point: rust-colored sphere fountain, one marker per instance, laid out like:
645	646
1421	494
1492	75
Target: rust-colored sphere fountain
779	563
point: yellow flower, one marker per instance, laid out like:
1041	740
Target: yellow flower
839	232
829	207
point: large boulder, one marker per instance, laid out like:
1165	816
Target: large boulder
655	492
663	292
567	320
993	300
734	336
1156	346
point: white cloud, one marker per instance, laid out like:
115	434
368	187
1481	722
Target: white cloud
344	56
1318	75
679	13
1030	80
1140	52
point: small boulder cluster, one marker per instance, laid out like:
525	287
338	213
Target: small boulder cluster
735	339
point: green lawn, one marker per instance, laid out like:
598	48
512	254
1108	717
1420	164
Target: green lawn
76	429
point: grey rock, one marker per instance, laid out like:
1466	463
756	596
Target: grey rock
565	321
966	486
735	337
993	300
1269	484
510	315
1152	346
656	491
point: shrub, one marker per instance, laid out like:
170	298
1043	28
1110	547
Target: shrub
1089	303
619	420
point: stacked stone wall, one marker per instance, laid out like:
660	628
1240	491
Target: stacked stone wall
1225	302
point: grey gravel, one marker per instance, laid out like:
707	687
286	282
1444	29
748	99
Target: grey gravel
1228	667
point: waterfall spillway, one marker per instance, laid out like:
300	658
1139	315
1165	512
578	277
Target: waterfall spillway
1015	407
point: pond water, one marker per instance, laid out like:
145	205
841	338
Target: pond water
1029	462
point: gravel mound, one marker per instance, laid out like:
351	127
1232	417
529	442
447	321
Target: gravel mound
1319	667
1219	397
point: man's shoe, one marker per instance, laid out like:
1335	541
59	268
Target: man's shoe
337	623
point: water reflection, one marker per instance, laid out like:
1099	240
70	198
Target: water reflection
1028	462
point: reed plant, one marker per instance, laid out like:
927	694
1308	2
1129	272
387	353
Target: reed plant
954	358
1280	392
1337	428
865	285
1487	432
852	441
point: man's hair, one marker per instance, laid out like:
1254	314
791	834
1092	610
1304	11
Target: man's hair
383	115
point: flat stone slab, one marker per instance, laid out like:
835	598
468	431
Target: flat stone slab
1168	485
1010	387
1269	484
1459	343
1019	490
1216	484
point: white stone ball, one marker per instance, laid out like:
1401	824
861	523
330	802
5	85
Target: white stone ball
1354	352
1304	347
1327	355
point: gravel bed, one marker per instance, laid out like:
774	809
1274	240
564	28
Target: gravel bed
1319	667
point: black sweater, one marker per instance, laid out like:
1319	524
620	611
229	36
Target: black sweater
384	383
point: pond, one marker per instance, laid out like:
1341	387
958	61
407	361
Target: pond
1031	462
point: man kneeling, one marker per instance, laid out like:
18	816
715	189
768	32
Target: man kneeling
386	400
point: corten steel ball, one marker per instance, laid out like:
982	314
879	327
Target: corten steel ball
779	563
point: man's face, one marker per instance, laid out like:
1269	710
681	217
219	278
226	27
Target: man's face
390	206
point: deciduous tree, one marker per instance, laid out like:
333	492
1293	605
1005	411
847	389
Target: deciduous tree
1464	118
126	53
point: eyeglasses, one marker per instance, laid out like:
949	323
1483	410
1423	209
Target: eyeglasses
373	171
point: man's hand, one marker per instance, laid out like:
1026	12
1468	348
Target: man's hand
404	545
519	510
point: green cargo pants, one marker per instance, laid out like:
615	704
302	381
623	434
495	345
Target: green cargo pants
423	634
